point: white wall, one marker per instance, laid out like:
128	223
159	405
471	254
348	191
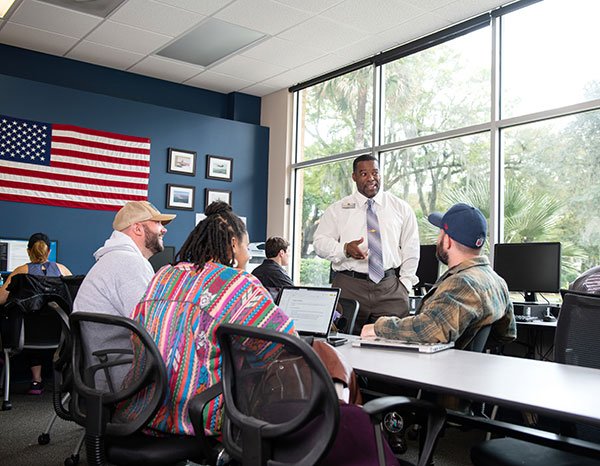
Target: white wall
277	115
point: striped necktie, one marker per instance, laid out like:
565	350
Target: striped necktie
374	239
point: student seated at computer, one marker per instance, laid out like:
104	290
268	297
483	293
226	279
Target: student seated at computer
588	281
470	295
184	304
271	272
38	250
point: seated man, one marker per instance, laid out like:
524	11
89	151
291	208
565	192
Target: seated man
120	276
588	281
470	295
271	272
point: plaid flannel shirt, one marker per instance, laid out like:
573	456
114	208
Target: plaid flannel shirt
467	297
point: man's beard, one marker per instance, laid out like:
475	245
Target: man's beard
441	254
152	241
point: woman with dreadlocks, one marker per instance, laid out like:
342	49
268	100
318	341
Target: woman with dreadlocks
186	302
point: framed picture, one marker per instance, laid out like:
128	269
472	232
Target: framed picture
219	168
180	197
213	195
182	161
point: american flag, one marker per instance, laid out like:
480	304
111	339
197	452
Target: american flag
70	166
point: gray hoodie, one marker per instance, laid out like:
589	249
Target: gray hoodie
114	285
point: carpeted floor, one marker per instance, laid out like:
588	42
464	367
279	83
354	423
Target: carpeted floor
21	426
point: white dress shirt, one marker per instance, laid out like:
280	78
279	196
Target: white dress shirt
346	221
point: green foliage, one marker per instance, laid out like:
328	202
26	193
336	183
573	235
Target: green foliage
314	271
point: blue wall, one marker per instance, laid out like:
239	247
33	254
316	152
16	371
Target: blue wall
80	231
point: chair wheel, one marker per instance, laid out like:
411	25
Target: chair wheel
44	439
6	405
72	461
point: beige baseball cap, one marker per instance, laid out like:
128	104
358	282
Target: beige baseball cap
138	211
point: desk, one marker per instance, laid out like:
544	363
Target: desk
536	337
560	391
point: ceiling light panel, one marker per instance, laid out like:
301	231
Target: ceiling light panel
210	42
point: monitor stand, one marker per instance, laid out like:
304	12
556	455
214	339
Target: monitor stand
530	297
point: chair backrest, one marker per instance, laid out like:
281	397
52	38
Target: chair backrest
477	343
95	408
280	402
31	322
349	311
577	337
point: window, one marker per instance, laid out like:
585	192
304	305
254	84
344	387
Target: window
433	177
336	116
552	190
549	55
442	144
439	89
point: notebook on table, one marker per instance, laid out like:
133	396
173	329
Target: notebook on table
312	309
377	342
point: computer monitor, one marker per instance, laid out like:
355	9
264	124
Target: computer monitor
160	259
529	267
428	270
13	253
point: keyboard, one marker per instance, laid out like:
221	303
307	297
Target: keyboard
521	318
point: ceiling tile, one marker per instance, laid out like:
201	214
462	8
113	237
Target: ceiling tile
418	27
54	19
217	82
126	37
262	15
323	34
365	48
35	39
259	90
307	71
312	6
282	52
104	55
163	68
204	7
361	15
156	17
248	67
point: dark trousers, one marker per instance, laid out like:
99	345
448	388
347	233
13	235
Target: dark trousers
386	298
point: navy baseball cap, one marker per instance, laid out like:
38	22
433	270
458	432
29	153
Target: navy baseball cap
463	223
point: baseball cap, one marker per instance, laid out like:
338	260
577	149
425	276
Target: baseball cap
463	223
38	237
138	211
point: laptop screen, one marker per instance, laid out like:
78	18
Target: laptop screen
312	309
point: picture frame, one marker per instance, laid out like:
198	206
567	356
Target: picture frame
213	195
219	168
180	197
182	162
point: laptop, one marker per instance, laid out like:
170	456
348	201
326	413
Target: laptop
376	342
312	309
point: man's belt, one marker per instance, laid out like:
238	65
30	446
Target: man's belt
365	276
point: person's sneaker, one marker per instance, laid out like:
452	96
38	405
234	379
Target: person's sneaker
36	388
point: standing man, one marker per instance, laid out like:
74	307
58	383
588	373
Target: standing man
120	276
271	272
372	240
468	297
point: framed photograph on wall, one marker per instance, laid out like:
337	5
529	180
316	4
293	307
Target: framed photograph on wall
213	195
182	162
180	197
219	168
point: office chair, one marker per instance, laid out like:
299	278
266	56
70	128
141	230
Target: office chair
111	436
32	324
477	343
350	309
280	406
576	342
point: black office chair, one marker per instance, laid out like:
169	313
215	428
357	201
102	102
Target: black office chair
350	309
31	323
576	342
281	407
110	435
477	343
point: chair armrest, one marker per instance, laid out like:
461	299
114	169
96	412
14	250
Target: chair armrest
196	410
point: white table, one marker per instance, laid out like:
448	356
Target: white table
564	392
